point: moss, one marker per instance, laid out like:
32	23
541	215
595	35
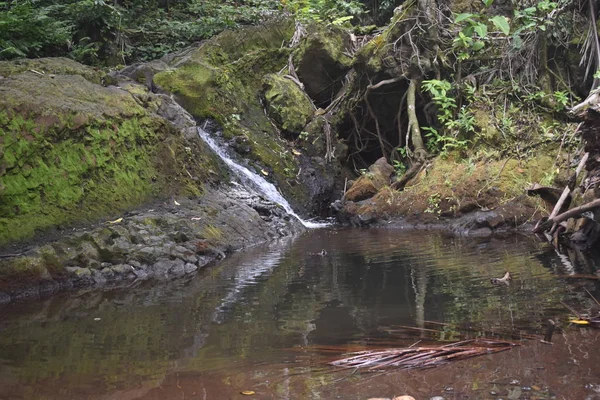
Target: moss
54	65
72	151
20	270
213	234
287	104
49	181
450	187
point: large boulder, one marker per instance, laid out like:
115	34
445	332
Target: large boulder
51	66
74	151
287	104
322	61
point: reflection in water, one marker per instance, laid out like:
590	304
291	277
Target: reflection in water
262	318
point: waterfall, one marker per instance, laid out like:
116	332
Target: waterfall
255	181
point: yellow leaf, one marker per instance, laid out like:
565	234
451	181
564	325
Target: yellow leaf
536	388
265	173
116	221
580	322
248	392
296	152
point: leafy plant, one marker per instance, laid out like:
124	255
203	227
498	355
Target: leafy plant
336	12
28	31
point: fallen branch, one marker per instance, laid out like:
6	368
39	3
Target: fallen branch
424	356
574	212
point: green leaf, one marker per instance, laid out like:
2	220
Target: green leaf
462	17
468	31
487	3
481	30
478	45
530	10
517	42
501	23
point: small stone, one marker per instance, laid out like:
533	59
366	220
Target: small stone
437	398
493	393
404	397
189	268
97	319
514	382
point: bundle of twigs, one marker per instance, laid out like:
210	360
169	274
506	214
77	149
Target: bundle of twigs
423	356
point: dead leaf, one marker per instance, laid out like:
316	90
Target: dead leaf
296	152
265	173
248	392
196	218
176	203
116	221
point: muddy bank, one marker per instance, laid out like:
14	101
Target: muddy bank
166	241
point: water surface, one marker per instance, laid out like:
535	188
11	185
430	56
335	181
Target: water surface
268	319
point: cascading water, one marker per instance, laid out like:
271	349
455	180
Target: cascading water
255	181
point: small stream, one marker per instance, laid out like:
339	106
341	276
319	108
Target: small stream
269	318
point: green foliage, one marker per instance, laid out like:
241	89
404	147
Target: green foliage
473	35
533	18
454	125
336	12
29	31
399	167
99	32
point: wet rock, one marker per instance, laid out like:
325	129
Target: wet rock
189	268
178	268
121	269
368	184
99	278
180	241
5	298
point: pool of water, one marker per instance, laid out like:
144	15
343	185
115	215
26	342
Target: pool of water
270	318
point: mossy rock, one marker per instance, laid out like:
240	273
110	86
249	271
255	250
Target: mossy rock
55	66
223	80
73	151
287	104
321	62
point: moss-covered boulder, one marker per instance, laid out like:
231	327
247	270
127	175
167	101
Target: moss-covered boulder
222	80
74	151
287	104
322	61
50	66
